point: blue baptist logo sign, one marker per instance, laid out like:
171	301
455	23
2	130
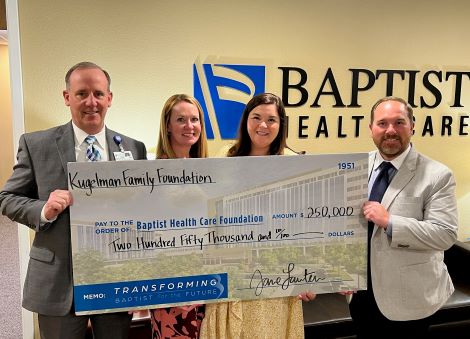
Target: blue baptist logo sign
227	90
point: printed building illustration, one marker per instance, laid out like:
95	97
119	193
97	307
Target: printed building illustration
302	201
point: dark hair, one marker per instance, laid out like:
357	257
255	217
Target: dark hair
85	65
242	146
409	109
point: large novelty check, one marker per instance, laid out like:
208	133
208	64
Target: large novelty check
148	234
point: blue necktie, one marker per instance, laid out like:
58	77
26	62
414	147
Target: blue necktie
92	153
381	182
376	194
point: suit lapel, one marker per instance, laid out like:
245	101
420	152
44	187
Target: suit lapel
65	142
399	181
112	146
401	178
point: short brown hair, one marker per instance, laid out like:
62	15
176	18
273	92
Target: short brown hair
409	109
85	65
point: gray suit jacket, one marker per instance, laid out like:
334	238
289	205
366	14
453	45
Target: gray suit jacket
409	277
42	168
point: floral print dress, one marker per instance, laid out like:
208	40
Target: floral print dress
181	322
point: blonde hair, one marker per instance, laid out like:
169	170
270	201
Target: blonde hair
164	149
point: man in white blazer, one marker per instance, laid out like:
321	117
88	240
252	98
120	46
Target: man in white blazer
415	221
36	195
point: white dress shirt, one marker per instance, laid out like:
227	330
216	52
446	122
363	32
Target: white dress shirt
81	145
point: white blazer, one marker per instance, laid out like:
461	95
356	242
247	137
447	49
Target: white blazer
409	277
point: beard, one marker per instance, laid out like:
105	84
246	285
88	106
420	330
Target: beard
392	147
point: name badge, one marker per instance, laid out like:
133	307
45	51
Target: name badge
121	156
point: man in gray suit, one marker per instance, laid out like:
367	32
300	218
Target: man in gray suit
36	195
411	223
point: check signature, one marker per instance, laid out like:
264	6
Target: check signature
259	282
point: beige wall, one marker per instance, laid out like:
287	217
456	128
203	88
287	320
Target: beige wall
6	150
149	48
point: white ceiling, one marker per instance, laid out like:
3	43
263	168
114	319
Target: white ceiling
3	37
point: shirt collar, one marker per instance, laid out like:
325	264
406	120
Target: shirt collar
80	136
397	162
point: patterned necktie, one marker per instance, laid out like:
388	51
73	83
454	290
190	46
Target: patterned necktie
376	194
92	152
